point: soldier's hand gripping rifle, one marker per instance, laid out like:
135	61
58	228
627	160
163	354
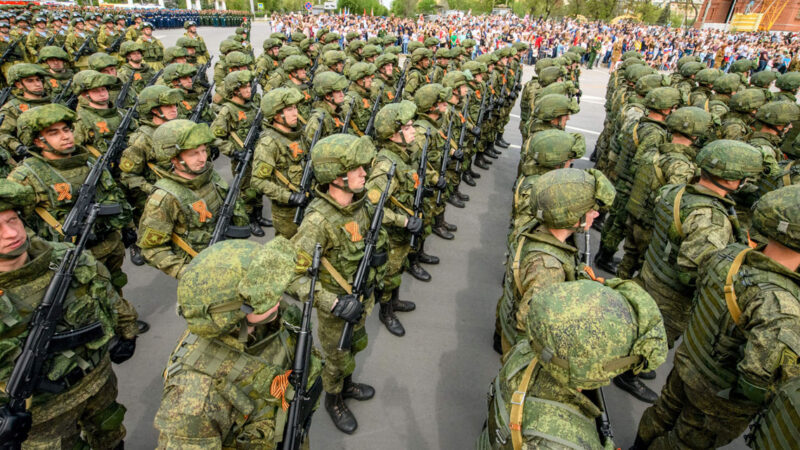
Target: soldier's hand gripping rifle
419	195
65	91
313	70
201	105
223	228
501	99
298	418
43	341
361	277
517	86
308	175
5	93
50	41
87	194
81	50
371	123
114	47
445	158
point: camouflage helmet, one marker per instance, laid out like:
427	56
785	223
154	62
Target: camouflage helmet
562	197
566	88
374	40
633	73
391	118
389	39
427	96
577	49
279	36
353	46
328	82
52	51
187	42
727	83
178	70
544	63
329	47
475	67
335	155
189	23
690	121
295	62
253	279
630	62
91	79
763	79
384	59
330	37
420	54
790	81
553	148
175	136
100	61
154	96
31	122
361	70
687	59
707	76
691	68
778	113
631	54
553	106
298	36
572	58
455	79
393	49
647	83
16	196
333	57
352	35
581	350
275	100
743	65
550	75
717	108
229	45
129	47
748	100
235	80
271	43
442	53
431	41
237	59
662	98
730	160
487	58
370	51
23	70
287	51
776	215
413	46
171	53
305	45
469	43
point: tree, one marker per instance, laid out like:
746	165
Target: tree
664	18
426	6
403	8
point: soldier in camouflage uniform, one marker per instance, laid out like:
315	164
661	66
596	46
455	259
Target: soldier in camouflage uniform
56	63
579	335
280	158
737	123
329	90
77	405
29	92
417	75
788	172
108	35
152	48
480	91
725	86
235	61
75	40
337	219
267	62
458	82
741	340
98	118
134	67
175	55
16	56
107	64
395	133
37	38
181	76
704	90
192	47
332	60
385	77
181	211
225	385
202	55
360	97
296	68
687	84
552	112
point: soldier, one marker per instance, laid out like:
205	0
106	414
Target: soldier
28	93
202	50
267	62
134	31
737	123
211	360
736	351
17	55
78	406
80	44
417	75
37	38
687	84
296	68
725	86
704	90
278	76
579	334
134	67
369	53
395	133
772	121
552	112
332	60
359	101
56	62
337	219
234	62
329	89
109	36
152	48
192	47
384	77
98	118
181	211
458	82
177	55
479	90
280	158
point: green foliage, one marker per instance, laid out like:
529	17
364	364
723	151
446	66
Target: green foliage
665	16
404	8
358	6
536	8
426	6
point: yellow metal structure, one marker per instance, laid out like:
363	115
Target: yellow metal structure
771	9
630	17
746	22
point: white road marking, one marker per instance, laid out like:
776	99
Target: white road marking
583	130
514	146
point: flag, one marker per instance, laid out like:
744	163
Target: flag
371	12
365	11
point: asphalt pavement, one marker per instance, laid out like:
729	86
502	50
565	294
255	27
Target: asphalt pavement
431	384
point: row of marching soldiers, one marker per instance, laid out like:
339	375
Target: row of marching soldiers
696	171
357	158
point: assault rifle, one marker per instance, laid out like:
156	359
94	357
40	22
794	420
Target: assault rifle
501	99
65	91
361	276
313	69
401	84
420	194
465	114
80	212
445	158
123	93
11	49
201	105
254	84
81	50
349	116
371	123
298	418
43	341
49	41
223	228
201	77
476	131
308	175
114	47
5	93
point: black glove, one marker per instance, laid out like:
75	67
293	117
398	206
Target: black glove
128	237
238	155
414	224
476	130
348	308
297	199
213	153
14	426
21	151
458	155
123	350
427	192
441	183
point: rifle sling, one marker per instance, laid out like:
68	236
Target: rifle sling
355	128
47	217
453	143
397	203
518	403
282	178
94	151
336	275
301	119
237	139
730	293
177	240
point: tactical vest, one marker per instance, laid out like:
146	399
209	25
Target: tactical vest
778	427
102	124
405	176
243	116
560	423
625	167
790	171
193	206
662	253
713	340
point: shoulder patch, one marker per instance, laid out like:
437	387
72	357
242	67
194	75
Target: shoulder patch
152	237
125	164
263	170
374	195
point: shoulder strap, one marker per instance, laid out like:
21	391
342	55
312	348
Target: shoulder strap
93	150
47	217
787	177
517	404
340	280
397	203
676	212
516	192
282	178
177	240
730	294
658	172
515	264
636	134
355	128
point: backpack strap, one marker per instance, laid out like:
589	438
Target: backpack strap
730	294
676	212
517	404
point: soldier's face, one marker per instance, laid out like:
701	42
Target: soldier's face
33	84
300	74
245	92
185	82
274	51
98	95
290	116
147	31
366	82
110	70
338	67
79	26
169	112
192	29
55	64
463	90
135	56
12	231
194	158
41	25
388	69
356	179
408	132
441	107
59	136
338	97
191	51
179	60
479	77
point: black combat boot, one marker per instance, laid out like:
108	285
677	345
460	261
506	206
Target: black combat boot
468	178
136	255
401	305
474	174
461	196
455	201
426	258
255	228
503	141
449	226
481	162
391	321
356	391
647	375
500	142
263	220
416	270
142	327
605	260
491	153
341	415
440	230
633	385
